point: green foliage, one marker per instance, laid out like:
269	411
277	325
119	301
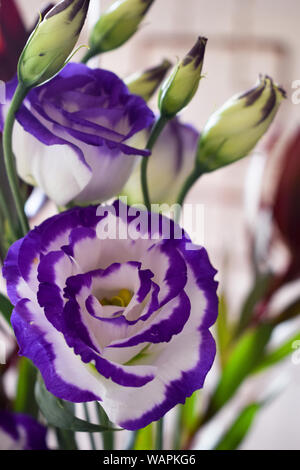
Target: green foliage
187	416
238	430
290	312
189	411
224	333
145	438
256	294
58	412
25	401
243	359
6	308
278	354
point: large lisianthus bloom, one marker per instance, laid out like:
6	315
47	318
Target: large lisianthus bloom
74	135
171	162
21	432
112	308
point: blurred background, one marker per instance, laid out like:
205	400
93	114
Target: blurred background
245	38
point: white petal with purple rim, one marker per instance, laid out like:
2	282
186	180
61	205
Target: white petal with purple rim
56	169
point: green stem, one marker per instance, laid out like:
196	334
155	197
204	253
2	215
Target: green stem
88	55
107	436
7	214
5	199
155	133
2	243
178	428
159	441
9	158
25	401
133	439
190	181
88	418
66	439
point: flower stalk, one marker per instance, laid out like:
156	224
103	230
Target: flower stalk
108	437
159	443
191	180
9	158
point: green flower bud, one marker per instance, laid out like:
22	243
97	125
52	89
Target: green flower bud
233	130
51	43
117	25
146	83
179	89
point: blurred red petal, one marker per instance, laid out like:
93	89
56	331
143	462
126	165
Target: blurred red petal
286	208
13	36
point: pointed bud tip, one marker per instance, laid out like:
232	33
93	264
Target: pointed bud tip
148	3
196	53
146	83
264	82
270	82
147	6
158	72
64	4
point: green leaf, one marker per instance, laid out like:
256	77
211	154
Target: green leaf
6	308
58	414
145	438
223	331
66	439
237	432
107	437
189	411
25	401
132	440
187	416
278	354
290	312
256	294
241	362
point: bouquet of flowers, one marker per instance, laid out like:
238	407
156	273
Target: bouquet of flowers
109	300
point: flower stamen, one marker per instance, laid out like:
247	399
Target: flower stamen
122	299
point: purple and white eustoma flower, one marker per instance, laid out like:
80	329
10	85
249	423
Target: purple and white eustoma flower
171	162
114	304
21	432
74	135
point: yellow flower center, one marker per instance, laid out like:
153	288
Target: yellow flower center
122	299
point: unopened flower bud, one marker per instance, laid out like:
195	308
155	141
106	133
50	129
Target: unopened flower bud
117	25
234	130
179	89
146	83
52	42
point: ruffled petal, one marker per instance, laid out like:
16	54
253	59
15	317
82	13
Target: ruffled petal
51	162
169	321
63	372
